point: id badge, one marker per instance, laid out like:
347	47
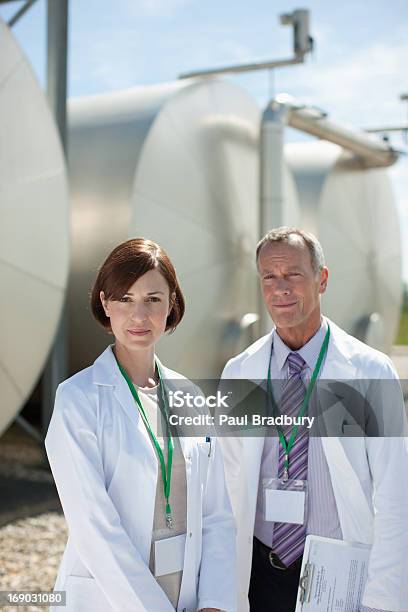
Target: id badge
285	501
169	555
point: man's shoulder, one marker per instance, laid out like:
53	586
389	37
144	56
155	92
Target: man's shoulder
360	354
234	364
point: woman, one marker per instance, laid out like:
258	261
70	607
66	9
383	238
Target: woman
150	524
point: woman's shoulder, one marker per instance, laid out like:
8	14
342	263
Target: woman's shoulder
75	408
80	381
78	394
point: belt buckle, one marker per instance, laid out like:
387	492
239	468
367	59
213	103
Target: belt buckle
276	562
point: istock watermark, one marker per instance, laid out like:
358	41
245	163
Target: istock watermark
337	408
181	399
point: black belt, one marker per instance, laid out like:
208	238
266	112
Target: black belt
270	556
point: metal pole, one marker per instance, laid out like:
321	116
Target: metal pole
242	68
28	428
56	368
368	150
271	181
20	12
388	128
57	52
404	98
302	44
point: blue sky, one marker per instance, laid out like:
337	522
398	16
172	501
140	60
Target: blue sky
357	72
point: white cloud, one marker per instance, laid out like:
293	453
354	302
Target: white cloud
121	58
364	85
112	63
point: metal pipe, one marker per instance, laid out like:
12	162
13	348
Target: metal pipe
271	168
29	429
369	150
242	68
273	124
389	128
57	64
56	369
20	12
302	44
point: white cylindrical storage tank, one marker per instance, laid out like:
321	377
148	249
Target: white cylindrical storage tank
33	229
179	164
352	211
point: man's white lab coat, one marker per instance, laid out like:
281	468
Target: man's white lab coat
369	475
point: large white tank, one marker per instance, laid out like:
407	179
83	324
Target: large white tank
176	163
179	163
351	209
33	229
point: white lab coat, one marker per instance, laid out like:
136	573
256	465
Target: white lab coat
106	470
369	475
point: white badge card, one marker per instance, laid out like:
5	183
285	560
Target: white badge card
169	555
285	501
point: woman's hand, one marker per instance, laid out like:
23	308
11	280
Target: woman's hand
210	610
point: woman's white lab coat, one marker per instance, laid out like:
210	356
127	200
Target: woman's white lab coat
106	471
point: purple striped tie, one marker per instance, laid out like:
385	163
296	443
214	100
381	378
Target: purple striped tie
288	538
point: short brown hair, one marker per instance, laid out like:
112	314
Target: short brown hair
125	265
284	233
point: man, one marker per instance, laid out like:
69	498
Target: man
357	487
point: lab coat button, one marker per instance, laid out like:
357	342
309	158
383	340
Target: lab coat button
190	534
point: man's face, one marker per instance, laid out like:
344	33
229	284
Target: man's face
291	287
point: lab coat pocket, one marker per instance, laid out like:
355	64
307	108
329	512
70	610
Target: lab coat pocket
84	595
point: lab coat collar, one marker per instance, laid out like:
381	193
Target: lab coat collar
105	372
309	352
337	364
255	365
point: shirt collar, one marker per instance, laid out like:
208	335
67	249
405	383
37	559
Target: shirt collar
309	352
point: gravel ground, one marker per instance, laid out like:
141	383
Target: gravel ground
30	553
32	538
31	547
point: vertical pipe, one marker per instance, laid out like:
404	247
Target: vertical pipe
57	63
56	368
271	215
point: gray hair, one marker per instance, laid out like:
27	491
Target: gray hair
283	234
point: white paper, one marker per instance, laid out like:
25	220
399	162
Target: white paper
338	577
169	555
285	506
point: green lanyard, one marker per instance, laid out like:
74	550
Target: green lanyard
287	446
166	474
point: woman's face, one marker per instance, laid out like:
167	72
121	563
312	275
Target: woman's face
138	318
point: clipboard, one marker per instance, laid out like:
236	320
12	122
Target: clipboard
333	575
